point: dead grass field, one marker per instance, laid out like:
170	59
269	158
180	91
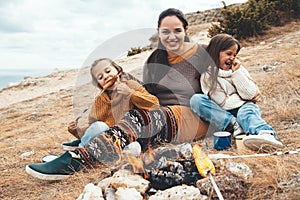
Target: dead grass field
38	125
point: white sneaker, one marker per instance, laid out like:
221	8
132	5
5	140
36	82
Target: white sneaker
264	137
237	130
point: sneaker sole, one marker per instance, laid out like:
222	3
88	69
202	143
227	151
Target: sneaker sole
257	143
69	148
49	177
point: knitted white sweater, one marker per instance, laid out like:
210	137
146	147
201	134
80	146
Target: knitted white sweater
233	88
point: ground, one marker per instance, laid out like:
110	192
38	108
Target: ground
35	114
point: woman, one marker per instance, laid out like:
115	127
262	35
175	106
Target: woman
174	73
173	70
230	95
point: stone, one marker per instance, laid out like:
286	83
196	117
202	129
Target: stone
103	184
91	192
268	68
109	193
128	193
179	193
126	179
239	168
230	185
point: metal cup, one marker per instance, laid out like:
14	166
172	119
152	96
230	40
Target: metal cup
222	140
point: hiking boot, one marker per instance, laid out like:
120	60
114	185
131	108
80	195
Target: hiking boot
57	169
71	146
264	138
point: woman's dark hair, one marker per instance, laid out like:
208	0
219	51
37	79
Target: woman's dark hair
218	43
172	12
111	62
157	64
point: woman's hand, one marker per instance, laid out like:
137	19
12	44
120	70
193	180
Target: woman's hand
235	64
122	88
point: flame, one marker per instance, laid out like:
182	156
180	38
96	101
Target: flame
117	146
136	163
150	153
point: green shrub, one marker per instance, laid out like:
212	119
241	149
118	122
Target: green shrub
254	17
136	50
289	9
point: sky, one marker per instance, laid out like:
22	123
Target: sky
37	34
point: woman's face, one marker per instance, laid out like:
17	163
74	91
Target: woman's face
104	72
227	57
171	33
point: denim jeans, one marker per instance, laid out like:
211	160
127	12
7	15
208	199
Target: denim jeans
248	115
95	129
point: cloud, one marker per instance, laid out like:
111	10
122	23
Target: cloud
64	32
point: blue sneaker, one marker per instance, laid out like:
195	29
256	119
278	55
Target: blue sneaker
71	146
57	169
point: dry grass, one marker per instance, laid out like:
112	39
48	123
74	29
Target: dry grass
39	125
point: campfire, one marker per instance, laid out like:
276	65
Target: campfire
167	171
166	167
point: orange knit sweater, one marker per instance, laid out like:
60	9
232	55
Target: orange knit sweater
112	110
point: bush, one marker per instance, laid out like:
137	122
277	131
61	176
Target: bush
254	17
289	9
136	50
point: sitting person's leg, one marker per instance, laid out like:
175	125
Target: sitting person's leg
212	113
261	133
190	126
92	131
145	126
249	118
95	129
107	147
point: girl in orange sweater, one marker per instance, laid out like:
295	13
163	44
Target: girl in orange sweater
118	95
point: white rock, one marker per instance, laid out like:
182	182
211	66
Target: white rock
27	154
109	193
179	193
128	193
126	179
239	168
91	192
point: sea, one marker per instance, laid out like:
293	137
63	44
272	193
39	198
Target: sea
12	76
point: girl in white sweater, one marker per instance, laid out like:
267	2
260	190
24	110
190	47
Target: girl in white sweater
230	96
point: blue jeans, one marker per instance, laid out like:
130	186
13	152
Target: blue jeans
248	115
95	129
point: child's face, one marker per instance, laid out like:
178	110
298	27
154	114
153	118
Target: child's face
104	72
227	57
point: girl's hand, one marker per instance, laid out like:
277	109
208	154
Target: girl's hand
257	97
235	64
72	128
122	88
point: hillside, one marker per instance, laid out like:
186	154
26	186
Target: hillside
34	116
